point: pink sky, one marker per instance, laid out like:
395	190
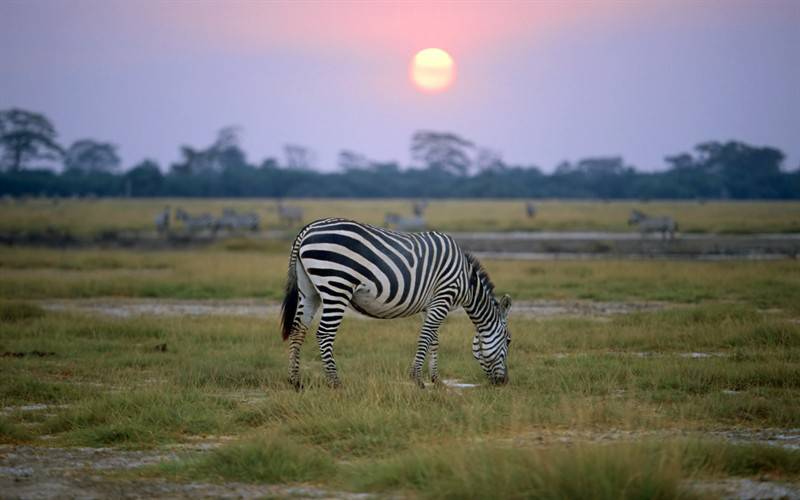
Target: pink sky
539	81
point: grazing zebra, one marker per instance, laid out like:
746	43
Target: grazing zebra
646	224
336	263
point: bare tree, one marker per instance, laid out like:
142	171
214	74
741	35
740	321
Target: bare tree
350	160
26	137
442	151
299	157
489	160
87	155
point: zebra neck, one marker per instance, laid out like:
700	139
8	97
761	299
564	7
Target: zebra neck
482	310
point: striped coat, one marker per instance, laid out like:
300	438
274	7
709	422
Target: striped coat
337	263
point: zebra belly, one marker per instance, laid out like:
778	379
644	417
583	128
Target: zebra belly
365	300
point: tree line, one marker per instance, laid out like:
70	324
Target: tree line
33	162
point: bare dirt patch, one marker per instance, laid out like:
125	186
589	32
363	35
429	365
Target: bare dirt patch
744	489
784	438
32	472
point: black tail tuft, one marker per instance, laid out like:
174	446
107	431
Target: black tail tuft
290	300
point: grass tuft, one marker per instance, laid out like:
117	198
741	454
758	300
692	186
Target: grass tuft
271	459
11	311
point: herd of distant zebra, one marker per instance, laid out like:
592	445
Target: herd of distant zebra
292	216
230	220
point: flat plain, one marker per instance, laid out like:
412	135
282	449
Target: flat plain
686	384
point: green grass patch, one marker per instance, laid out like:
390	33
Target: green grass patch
12	311
266	458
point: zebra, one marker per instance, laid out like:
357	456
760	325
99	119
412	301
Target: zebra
419	207
194	222
397	221
530	209
336	263
162	220
231	220
646	224
289	214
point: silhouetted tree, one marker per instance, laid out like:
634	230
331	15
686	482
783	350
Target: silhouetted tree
441	151
145	179
25	137
89	156
299	157
350	160
223	153
489	159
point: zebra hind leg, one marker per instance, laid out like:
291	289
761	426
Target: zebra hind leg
306	309
332	314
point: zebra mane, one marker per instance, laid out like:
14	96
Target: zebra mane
480	271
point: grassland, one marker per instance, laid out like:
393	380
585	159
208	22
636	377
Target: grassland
221	379
258	270
90	218
108	384
630	406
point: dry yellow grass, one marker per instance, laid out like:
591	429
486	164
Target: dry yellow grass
84	217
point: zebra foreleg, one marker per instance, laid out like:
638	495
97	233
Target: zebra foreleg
428	338
433	359
326	333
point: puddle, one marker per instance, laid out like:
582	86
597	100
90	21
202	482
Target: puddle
639	354
457	384
8	410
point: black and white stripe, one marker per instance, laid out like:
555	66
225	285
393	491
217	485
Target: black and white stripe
338	263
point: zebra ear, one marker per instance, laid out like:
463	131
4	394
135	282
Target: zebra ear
505	303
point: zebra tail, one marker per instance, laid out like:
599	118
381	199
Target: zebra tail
292	297
289	307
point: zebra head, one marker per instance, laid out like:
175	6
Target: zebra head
490	345
490	317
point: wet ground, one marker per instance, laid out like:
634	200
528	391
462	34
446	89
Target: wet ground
124	308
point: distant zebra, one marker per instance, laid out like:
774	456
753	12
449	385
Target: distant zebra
290	215
162	220
419	207
336	263
231	220
646	224
530	209
194	223
397	221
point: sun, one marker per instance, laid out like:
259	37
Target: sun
432	70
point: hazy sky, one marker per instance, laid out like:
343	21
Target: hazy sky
541	81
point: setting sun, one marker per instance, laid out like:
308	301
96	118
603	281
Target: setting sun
432	70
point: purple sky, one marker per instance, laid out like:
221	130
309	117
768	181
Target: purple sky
540	82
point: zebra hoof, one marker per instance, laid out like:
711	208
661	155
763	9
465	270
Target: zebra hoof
298	386
334	383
